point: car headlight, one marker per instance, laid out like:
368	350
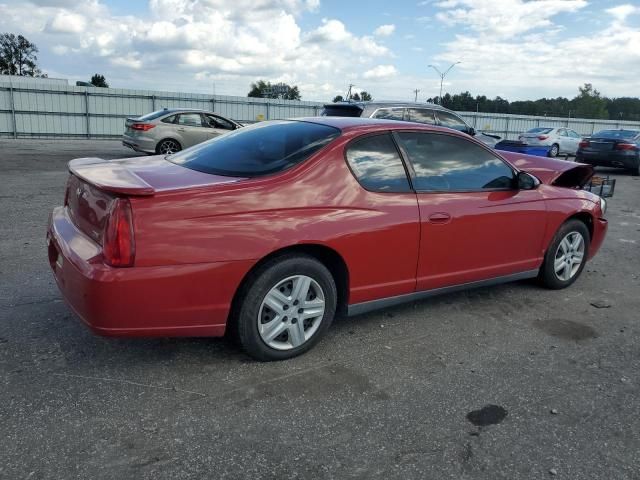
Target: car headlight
603	206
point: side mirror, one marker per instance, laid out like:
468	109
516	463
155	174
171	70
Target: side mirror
526	181
471	131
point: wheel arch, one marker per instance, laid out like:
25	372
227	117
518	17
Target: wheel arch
584	217
329	257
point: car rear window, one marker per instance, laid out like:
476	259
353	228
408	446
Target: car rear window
153	115
260	149
625	134
539	130
341	111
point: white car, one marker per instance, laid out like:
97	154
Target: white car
561	140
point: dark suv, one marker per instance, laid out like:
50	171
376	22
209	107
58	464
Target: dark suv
428	113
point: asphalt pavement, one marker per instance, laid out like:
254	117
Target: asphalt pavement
508	382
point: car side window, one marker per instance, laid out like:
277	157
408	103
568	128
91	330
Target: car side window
449	163
450	120
214	121
562	132
574	134
170	119
376	164
390	113
421	115
190	120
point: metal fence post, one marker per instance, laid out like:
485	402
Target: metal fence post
593	127
13	111
267	109
506	128
153	103
213	104
86	112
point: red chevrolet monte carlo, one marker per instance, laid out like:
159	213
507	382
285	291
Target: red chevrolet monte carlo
270	230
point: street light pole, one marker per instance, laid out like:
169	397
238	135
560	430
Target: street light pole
442	75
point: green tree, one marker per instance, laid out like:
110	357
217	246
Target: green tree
338	98
98	80
18	56
365	96
589	103
262	89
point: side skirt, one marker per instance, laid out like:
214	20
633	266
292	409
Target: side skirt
359	308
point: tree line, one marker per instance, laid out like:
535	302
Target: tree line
588	103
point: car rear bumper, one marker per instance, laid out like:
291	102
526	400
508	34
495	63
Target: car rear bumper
619	159
139	144
175	300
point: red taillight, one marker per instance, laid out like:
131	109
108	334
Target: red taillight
626	146
118	244
583	144
142	126
543	137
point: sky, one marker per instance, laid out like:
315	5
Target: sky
516	49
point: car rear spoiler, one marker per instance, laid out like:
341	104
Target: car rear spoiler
110	176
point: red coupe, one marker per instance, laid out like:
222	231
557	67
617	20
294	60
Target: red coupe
271	230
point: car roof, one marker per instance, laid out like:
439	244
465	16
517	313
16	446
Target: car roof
364	123
388	103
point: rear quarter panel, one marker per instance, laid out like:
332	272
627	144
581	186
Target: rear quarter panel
318	202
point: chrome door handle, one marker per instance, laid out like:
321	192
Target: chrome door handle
439	217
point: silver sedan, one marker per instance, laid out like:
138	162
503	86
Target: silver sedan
171	130
560	140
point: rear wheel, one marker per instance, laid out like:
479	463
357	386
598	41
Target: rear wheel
285	307
555	150
566	256
168	146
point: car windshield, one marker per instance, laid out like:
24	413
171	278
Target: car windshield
153	115
625	134
259	149
540	130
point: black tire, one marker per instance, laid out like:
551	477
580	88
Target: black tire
547	275
554	151
163	144
245	316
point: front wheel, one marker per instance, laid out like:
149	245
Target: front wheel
555	150
285	307
566	256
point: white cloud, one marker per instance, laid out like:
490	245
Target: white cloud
384	30
621	12
380	71
524	63
504	18
67	22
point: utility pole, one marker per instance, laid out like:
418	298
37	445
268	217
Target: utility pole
442	75
416	91
348	99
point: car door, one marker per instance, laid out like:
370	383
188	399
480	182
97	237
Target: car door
388	244
421	115
475	225
395	113
190	129
215	125
449	120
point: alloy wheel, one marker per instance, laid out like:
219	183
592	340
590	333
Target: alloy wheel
291	312
167	147
569	256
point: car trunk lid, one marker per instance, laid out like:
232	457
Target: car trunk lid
95	184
